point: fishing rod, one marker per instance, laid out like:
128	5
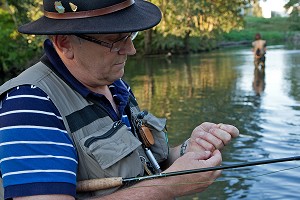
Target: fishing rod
106	183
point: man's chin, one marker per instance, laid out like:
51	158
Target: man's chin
118	75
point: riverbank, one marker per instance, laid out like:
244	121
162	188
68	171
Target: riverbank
275	30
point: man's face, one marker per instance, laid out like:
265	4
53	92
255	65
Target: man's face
96	65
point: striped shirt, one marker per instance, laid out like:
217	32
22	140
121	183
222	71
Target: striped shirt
36	153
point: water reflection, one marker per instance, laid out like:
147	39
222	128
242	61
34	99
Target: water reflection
259	81
223	86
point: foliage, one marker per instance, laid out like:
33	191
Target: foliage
197	18
274	30
16	51
294	22
19	49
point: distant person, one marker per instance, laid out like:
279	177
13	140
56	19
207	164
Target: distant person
259	51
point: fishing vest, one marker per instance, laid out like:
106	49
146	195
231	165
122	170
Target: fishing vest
105	148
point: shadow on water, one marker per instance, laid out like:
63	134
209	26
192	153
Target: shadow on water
223	86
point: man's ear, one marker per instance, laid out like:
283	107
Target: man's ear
63	45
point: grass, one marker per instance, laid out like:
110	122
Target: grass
275	30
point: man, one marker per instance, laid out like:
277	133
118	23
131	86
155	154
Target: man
259	51
72	118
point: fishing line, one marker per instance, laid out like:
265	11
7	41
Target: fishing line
216	181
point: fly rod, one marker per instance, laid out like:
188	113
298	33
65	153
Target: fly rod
106	183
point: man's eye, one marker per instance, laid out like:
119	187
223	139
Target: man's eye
119	37
111	39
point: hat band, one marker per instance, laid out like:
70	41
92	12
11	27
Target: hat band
90	13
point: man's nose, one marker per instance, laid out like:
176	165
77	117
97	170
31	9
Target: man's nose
128	48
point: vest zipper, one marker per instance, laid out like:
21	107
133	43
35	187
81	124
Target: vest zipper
116	126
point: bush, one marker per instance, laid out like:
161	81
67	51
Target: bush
274	30
16	52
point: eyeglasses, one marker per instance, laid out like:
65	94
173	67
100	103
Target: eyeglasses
115	46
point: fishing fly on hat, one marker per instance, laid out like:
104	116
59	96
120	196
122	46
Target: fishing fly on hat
93	17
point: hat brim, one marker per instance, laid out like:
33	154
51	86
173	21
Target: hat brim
140	16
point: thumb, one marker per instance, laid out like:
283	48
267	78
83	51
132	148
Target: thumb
200	155
215	159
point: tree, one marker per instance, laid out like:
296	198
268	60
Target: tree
198	18
19	49
294	7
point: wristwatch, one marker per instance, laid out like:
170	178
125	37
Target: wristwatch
183	147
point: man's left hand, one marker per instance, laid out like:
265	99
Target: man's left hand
209	137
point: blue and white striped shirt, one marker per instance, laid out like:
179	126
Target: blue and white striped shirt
34	145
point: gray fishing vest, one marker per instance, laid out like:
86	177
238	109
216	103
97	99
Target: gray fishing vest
105	148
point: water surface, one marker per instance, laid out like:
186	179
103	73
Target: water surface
223	86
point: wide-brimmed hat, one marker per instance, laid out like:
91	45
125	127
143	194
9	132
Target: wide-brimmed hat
93	17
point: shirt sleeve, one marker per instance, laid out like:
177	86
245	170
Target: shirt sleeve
37	156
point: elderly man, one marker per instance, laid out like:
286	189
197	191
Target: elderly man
71	117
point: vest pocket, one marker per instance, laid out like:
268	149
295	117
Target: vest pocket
114	128
160	148
115	150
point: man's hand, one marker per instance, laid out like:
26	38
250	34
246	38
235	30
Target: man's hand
194	160
209	137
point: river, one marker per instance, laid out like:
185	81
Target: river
222	86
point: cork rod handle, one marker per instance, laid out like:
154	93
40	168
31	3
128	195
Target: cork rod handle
98	184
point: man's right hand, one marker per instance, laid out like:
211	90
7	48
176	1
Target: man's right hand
196	182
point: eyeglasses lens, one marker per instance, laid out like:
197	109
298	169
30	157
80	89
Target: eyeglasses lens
116	46
133	35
